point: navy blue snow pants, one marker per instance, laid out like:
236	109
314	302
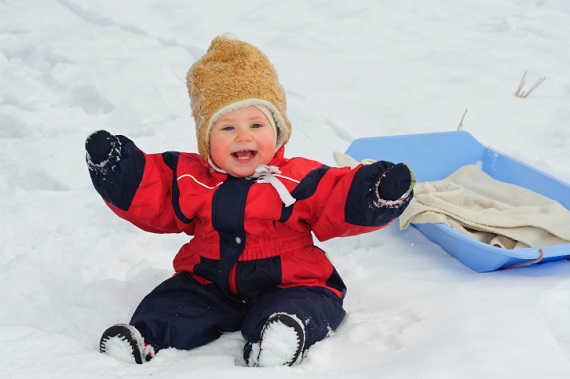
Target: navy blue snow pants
182	313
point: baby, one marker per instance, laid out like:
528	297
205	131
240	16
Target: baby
251	264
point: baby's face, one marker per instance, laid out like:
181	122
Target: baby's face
242	140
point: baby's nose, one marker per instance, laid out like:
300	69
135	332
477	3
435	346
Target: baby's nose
243	135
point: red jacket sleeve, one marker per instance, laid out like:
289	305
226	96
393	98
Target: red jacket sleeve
344	201
137	187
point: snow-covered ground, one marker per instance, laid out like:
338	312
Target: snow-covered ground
69	268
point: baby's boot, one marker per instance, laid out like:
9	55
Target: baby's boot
124	342
282	342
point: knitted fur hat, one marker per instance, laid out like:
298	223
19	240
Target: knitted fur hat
234	74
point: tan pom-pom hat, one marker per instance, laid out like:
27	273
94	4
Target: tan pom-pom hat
234	74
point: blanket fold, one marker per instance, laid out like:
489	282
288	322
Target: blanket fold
490	211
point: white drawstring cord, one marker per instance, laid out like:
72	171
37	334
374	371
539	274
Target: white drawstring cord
266	172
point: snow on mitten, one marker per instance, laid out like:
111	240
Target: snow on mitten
396	183
99	146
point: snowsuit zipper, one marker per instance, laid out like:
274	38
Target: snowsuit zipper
228	210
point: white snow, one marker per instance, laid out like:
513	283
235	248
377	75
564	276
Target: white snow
279	344
69	268
120	349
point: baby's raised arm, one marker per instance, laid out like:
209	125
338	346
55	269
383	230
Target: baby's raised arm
136	186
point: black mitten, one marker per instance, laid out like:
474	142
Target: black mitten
398	181
99	146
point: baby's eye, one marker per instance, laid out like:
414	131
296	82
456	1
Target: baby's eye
255	126
229	127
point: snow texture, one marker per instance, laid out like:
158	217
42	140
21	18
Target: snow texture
69	268
119	348
280	343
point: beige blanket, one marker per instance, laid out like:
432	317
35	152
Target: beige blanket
489	210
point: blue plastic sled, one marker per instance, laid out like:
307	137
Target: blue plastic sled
434	156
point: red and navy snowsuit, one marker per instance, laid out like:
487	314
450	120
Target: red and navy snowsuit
251	256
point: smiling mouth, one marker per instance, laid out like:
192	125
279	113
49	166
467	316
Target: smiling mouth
243	155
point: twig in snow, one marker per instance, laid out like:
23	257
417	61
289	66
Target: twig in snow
460	127
522	94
